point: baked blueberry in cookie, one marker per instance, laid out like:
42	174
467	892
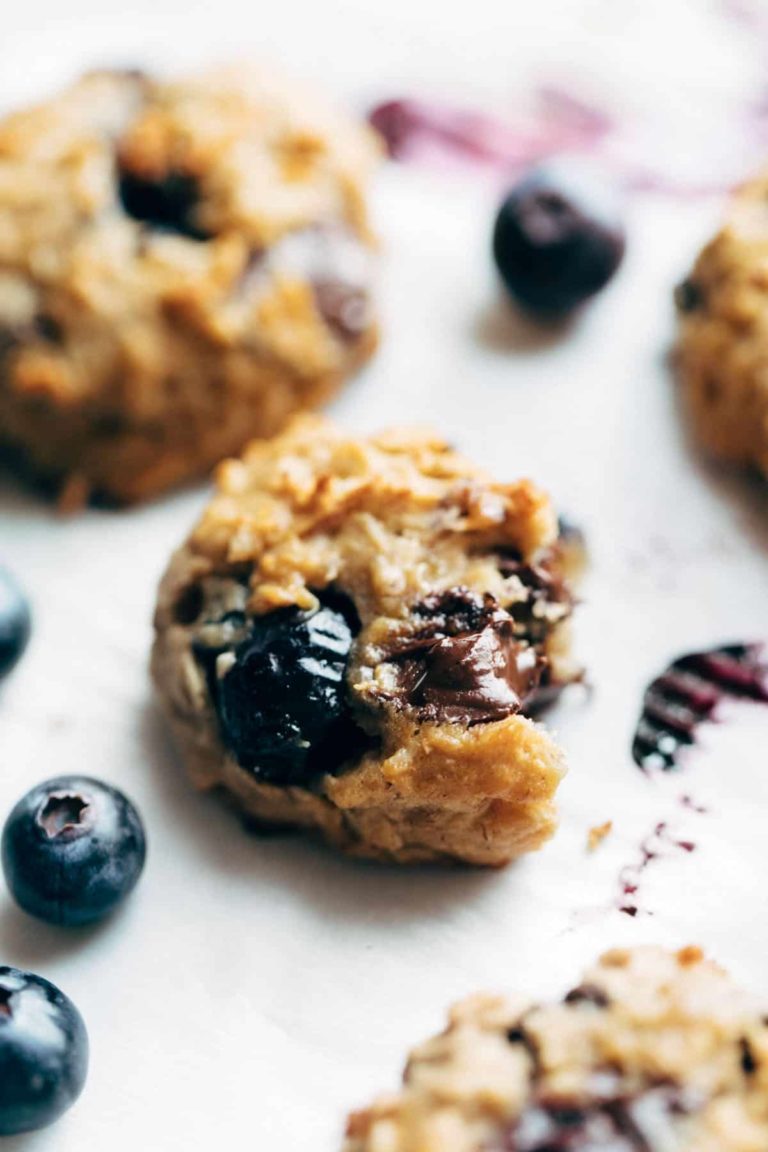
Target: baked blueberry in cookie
183	265
354	639
653	1052
723	335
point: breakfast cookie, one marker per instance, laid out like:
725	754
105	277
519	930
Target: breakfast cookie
354	637
183	265
652	1052
722	351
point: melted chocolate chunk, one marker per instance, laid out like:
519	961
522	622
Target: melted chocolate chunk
464	665
687	693
546	586
165	205
544	583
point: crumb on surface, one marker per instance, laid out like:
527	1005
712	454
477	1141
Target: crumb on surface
597	834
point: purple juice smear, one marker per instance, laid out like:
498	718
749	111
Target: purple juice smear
658	844
687	693
424	130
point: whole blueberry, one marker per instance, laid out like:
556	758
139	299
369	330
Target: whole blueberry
43	1052
72	850
558	239
15	622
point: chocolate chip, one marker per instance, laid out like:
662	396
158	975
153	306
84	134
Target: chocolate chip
748	1062
189	605
46	328
455	610
165	205
689	296
588	994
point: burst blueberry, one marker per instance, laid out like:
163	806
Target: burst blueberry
558	239
282	703
15	622
72	850
43	1052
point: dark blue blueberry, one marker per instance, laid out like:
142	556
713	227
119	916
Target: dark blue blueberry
558	239
43	1052
72	850
282	703
15	622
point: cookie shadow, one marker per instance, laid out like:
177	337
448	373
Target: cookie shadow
740	487
502	327
333	886
28	943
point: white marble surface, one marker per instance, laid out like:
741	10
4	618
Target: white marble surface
252	991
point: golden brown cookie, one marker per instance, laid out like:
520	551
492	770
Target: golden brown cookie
183	265
722	351
353	640
653	1052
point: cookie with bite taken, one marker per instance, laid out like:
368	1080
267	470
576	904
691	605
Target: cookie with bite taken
355	639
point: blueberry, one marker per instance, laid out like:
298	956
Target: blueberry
43	1052
15	622
72	849
282	702
558	239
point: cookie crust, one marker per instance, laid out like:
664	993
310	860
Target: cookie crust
387	522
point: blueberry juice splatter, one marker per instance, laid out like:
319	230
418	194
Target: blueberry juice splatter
687	694
659	844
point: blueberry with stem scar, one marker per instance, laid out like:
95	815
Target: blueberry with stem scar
72	849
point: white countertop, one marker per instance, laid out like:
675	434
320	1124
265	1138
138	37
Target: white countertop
255	990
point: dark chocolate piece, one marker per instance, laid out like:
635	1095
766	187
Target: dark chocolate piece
165	205
464	665
689	296
344	307
588	994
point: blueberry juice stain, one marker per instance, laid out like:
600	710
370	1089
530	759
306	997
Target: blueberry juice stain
687	694
661	843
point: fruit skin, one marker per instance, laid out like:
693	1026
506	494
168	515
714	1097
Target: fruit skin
558	239
283	702
72	849
15	622
43	1052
